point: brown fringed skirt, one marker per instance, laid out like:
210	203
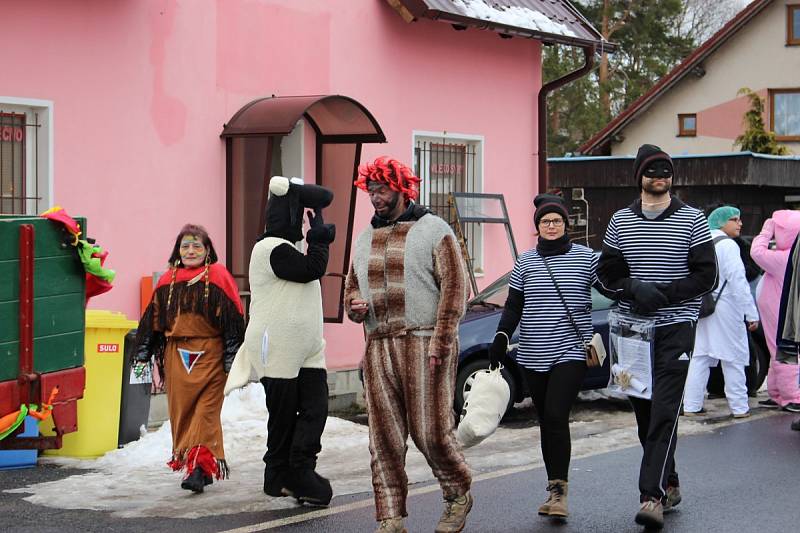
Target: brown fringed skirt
195	381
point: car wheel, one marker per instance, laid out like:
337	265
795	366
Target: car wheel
759	365
465	378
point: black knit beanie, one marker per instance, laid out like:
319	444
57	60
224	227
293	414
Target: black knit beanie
549	203
647	154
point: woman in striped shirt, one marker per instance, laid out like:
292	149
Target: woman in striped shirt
551	349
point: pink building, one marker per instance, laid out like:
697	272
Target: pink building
115	111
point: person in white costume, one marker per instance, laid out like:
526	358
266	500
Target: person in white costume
283	343
722	336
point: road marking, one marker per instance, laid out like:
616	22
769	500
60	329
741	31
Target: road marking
278	522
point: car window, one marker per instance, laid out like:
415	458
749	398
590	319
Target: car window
600	302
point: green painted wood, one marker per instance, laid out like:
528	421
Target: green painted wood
58	307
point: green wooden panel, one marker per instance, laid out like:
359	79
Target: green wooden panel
58	307
48	237
51	276
49	354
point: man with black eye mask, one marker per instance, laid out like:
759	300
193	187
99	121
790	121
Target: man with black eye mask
658	258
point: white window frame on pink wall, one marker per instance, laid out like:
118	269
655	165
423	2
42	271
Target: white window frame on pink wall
478	142
45	161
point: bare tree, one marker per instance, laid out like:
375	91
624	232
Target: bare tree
701	18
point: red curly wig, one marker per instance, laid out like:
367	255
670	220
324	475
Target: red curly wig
392	172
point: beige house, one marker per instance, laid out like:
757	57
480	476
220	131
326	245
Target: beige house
695	108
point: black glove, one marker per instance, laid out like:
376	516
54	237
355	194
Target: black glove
647	297
498	351
319	231
230	345
147	346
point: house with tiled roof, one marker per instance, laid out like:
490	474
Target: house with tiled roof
696	108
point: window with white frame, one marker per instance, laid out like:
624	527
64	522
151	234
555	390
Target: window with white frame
785	113
449	163
25	156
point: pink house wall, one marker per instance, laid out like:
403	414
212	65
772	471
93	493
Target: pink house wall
141	89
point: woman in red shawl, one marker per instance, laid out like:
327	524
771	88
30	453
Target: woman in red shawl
193	327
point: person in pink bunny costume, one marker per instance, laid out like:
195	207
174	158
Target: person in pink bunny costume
783	227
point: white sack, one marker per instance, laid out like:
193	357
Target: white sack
483	408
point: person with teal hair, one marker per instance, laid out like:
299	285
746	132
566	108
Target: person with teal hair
722	335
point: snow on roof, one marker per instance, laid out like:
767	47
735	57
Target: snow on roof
517	16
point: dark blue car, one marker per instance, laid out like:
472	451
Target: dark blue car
479	324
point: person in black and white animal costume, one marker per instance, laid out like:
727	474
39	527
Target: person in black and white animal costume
283	342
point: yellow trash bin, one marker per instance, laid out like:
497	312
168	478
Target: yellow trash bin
98	411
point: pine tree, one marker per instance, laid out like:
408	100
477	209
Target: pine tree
756	138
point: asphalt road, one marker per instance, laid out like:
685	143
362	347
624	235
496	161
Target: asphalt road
742	477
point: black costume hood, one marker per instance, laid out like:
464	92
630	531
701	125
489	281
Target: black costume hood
288	200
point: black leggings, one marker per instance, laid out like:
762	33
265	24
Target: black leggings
553	394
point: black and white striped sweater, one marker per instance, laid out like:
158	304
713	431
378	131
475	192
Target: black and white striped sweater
674	250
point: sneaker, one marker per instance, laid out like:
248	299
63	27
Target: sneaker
651	514
769	403
195	481
702	411
741	415
792	407
391	525
454	516
672	498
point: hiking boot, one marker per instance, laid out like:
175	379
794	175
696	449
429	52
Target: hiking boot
672	498
769	403
273	483
544	509
558	495
308	487
651	514
454	517
391	525
195	481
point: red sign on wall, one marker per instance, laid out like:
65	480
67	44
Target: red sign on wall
12	133
108	348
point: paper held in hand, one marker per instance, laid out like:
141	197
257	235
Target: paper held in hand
631	340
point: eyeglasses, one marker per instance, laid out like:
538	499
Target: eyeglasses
554	222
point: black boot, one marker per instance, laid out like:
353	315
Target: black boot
273	482
196	481
309	487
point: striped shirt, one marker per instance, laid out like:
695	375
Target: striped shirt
657	251
546	336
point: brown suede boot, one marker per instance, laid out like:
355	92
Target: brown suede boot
558	495
544	509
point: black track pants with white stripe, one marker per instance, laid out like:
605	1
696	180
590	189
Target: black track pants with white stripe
657	418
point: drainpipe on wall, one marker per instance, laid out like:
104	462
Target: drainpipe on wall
588	53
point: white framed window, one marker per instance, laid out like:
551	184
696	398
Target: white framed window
26	155
451	162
